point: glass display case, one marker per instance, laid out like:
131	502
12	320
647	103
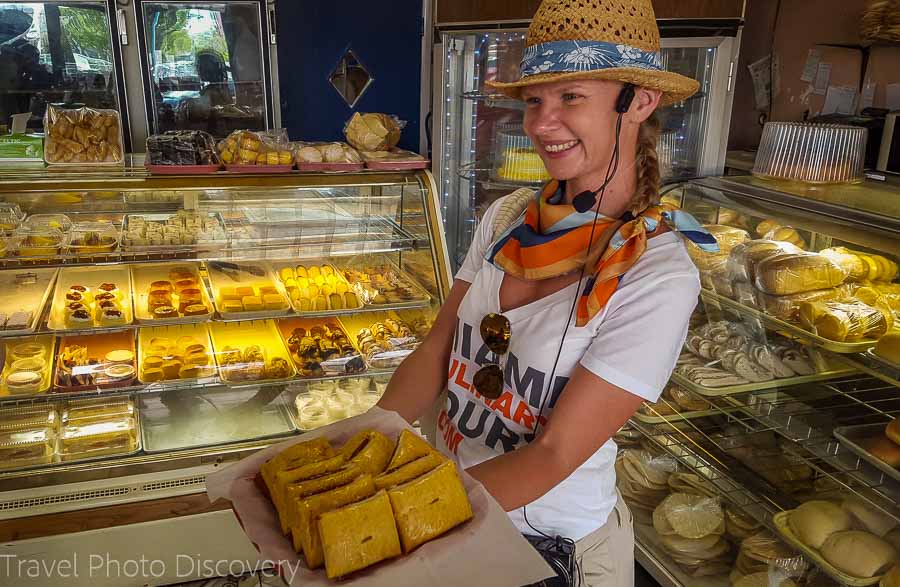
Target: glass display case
151	324
481	151
783	394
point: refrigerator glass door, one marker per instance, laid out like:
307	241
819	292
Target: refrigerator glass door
483	152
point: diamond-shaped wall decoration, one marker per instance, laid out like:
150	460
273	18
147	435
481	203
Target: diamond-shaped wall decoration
350	78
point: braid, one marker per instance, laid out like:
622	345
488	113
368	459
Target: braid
646	192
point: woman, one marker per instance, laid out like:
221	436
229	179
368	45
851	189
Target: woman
569	384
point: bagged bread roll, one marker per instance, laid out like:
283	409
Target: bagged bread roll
846	321
786	234
814	521
727	238
858	553
890	292
372	132
744	258
787	308
863	266
794	273
766	226
888	347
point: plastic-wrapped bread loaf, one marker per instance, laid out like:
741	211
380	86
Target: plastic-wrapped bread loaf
787	308
726	236
863	266
794	273
786	234
744	258
846	321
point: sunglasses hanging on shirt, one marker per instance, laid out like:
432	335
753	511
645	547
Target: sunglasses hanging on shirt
496	333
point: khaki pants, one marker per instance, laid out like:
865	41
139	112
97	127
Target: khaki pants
606	556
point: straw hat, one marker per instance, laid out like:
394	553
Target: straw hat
614	40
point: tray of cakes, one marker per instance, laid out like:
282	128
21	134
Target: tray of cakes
167	293
28	368
321	347
97	428
184	229
384	284
317	289
210	417
247	291
28	436
91	297
386	338
251	352
95	361
23	295
170	356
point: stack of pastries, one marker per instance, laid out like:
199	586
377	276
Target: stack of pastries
99	307
322	342
180	295
317	288
367	501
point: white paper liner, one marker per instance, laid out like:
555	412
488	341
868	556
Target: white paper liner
487	550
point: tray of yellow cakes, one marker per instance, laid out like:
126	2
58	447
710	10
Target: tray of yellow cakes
367	501
250	352
28	367
174	355
247	291
91	298
73	431
168	293
317	289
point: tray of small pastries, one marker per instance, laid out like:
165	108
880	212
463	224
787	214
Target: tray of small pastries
321	347
166	231
247	291
176	354
91	298
74	431
386	338
23	295
384	284
250	352
317	289
168	293
96	361
28	367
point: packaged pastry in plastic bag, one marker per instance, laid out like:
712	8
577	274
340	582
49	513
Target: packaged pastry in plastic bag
846	321
182	147
726	236
246	147
787	307
325	153
744	258
82	136
693	516
794	273
862	266
787	234
891	294
373	131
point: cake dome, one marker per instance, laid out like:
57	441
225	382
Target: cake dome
812	153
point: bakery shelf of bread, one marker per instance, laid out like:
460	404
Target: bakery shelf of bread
872	443
675	404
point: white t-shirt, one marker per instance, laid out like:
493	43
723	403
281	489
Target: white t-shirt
632	343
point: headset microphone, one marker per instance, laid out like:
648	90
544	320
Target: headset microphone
587	199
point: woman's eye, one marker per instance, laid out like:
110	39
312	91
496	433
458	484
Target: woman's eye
568	97
532	101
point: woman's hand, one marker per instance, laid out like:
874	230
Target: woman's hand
422	376
589	412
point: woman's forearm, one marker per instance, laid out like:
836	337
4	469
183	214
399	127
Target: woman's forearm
416	384
519	477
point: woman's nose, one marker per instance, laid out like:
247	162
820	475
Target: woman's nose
542	120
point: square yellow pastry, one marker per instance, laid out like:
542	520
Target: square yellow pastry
295	456
302	489
303	527
369	449
409	471
252	303
429	506
358	535
302	473
274	301
410	446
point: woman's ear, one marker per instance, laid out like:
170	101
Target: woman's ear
644	104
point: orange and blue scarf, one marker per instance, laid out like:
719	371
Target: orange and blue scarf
551	239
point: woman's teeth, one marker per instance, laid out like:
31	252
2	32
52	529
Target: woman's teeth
561	147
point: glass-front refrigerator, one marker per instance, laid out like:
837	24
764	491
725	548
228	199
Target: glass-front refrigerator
481	151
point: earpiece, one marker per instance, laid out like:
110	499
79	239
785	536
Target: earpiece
623	102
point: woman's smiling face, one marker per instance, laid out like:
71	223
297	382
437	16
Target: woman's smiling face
572	125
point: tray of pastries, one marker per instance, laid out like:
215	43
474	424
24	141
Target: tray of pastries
23	295
209	417
247	291
250	352
27	436
28	368
88	238
877	444
91	297
386	338
675	404
368	500
91	429
183	229
83	136
384	284
317	289
95	361
170	293
324	402
321	347
176	353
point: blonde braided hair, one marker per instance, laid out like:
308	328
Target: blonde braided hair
646	192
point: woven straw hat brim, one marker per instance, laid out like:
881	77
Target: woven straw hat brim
674	87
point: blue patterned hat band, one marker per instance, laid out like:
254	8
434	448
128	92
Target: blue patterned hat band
578	56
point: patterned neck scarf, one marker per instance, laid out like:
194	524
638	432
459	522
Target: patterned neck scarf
551	239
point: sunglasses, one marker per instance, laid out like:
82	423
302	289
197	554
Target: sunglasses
496	333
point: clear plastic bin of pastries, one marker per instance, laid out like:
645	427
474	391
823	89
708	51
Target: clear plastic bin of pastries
319	403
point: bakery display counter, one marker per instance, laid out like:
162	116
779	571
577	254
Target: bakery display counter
784	402
225	311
